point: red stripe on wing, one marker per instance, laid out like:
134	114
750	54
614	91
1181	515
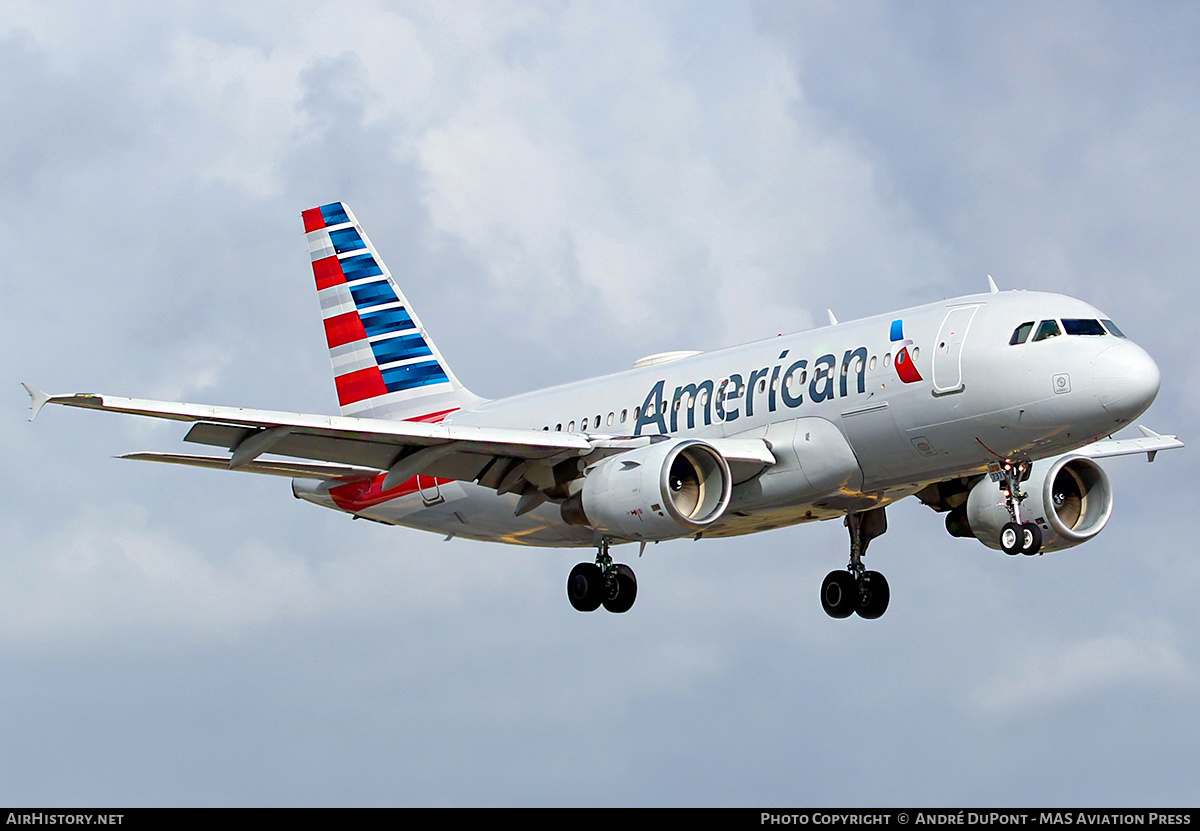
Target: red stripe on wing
433	418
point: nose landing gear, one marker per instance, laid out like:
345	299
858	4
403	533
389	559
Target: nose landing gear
855	589
603	583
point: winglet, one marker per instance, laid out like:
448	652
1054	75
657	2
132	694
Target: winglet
992	285
37	399
1150	434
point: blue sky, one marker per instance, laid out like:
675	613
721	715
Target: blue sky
560	189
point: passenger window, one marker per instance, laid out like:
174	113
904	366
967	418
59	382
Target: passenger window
1021	334
611	416
624	413
1112	327
1047	329
1079	326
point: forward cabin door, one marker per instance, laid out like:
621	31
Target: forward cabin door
947	351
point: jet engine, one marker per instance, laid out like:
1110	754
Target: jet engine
1069	497
657	492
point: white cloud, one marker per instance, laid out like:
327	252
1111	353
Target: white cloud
728	199
1052	675
109	571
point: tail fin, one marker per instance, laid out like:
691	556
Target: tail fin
384	364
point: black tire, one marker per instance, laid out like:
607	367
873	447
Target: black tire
1031	538
623	591
873	595
585	587
1011	538
839	594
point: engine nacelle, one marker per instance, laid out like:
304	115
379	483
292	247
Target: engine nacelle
1070	499
657	492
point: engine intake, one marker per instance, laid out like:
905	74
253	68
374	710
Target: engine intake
656	492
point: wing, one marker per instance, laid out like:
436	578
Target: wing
355	446
347	448
1150	443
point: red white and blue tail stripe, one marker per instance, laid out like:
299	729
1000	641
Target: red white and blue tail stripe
384	364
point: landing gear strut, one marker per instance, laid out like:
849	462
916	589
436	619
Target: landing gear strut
1016	537
855	589
603	583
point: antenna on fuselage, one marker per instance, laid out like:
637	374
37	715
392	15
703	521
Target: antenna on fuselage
832	319
992	285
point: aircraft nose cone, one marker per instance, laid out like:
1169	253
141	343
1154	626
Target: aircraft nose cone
1126	380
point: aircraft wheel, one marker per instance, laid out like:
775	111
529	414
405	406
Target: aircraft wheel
873	595
839	594
1012	537
1031	538
585	587
622	591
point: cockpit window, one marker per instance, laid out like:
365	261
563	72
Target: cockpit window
1047	329
1021	333
1079	326
1112	327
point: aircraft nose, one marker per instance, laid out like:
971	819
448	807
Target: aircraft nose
1126	379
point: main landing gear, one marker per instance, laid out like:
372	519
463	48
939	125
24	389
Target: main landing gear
1016	537
855	589
603	583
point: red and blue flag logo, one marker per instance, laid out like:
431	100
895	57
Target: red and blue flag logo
905	368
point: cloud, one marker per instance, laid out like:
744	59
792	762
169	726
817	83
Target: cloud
1053	675
108	572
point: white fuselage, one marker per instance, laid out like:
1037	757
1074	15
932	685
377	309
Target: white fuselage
857	415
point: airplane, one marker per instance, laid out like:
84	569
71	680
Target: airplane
991	408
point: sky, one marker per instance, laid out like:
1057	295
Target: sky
560	189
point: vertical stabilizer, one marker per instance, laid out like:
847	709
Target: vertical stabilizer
384	363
